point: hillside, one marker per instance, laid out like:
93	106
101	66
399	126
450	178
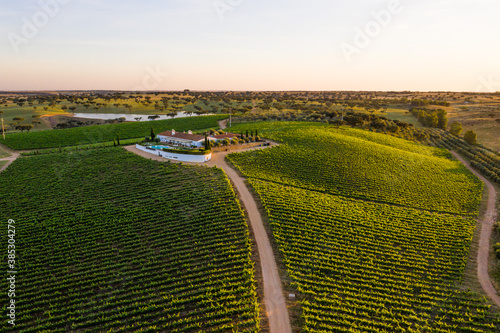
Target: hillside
358	261
356	163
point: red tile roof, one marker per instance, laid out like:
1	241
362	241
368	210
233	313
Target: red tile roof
185	136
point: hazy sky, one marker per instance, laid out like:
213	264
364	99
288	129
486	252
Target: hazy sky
250	45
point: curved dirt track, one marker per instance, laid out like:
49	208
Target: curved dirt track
9	159
487	223
277	312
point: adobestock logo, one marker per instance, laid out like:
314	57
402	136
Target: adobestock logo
152	79
222	7
31	27
372	29
487	84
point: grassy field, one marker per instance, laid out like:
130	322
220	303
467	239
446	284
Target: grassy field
358	262
109	241
482	119
399	114
105	133
26	112
100	105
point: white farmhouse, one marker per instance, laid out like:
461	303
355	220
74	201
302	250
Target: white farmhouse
182	139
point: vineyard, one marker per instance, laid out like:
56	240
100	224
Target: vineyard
374	231
361	164
484	160
105	133
107	241
369	267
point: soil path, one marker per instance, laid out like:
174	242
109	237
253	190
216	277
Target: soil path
10	159
223	123
487	222
277	312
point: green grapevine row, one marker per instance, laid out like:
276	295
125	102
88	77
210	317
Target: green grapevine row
370	267
108	241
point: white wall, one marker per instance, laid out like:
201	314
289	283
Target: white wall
177	157
165	139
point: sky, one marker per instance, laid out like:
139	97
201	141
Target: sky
389	45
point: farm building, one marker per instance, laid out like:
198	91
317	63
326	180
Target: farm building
181	139
189	139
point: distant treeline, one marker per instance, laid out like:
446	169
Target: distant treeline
426	102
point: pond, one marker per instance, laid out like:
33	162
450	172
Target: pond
131	117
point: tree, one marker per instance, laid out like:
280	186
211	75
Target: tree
118	139
442	119
23	128
153	135
456	128
339	123
18	119
207	144
470	137
432	120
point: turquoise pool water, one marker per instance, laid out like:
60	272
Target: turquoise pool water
161	147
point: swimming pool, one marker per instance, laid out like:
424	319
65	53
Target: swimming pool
161	147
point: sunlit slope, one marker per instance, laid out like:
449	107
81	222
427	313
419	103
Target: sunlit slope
361	164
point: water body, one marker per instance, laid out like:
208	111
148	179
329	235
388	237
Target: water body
130	117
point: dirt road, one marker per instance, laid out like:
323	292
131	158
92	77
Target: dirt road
277	312
487	222
13	156
223	123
